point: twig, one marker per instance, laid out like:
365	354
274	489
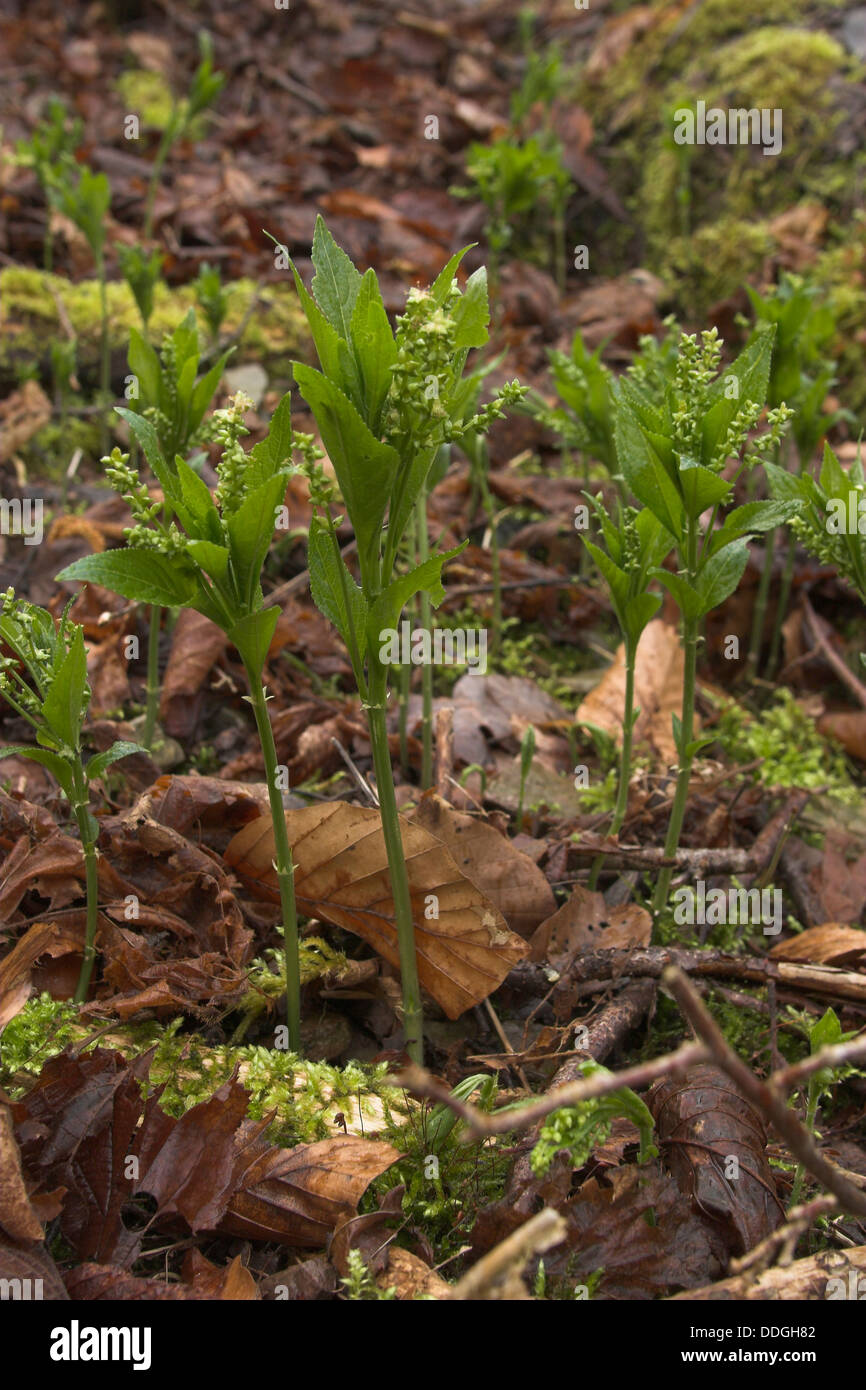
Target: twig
503	1038
444	751
846	676
764	1095
497	1274
479	1124
358	777
834	1056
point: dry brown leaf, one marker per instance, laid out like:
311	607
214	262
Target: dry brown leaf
511	881
849	729
658	684
17	1217
408	1275
341	874
21	416
41	939
834	943
196	645
585	922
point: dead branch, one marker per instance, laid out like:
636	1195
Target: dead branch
497	1274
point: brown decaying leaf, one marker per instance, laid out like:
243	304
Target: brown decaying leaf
33	1263
53	868
94	1283
196	644
833	943
703	1124
210	1170
505	876
341	874
585	922
21	416
18	1220
658	684
233	1282
41	939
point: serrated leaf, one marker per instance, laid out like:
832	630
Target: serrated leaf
144	576
688	598
275	450
365	467
425	578
64	704
336	282
721	574
121	749
329	594
374	347
250	532
472	312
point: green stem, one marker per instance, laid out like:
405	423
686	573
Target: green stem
165	145
781	608
91	876
376	712
426	615
619	810
691	629
760	614
151	708
105	354
283	858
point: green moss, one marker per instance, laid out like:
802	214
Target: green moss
146	95
30	318
794	753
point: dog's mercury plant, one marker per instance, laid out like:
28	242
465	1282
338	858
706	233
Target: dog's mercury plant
44	680
628	554
207	553
385	403
675	435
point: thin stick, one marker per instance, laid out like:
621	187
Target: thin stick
764	1095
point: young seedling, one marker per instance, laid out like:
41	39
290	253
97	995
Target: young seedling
51	148
45	682
141	272
673	446
214	565
579	1128
85	197
211	298
384	405
204	89
585	420
527	754
801	375
827	1032
173	398
629	553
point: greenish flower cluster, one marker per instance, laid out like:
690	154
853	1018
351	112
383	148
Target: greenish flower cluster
228	427
149	532
40	648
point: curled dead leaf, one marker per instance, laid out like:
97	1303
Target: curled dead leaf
658	683
341	874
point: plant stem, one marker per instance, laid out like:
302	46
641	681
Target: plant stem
426	615
619	811
152	689
105	355
165	145
91	876
760	614
412	1015
283	860
691	627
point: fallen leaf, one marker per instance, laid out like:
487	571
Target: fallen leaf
705	1128
213	1281
341	874
196	645
21	416
41	939
17	1217
33	1263
506	877
830	944
586	923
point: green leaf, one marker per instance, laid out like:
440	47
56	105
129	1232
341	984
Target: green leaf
753	518
472	312
426	578
336	282
203	393
688	598
250	532
365	467
644	472
253	636
202	520
64	705
328	592
375	348
149	441
701	488
615	578
275	450
325	336
55	763
721	574
121	749
144	363
212	559
751	371
445	279
639	612
693	748
144	576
